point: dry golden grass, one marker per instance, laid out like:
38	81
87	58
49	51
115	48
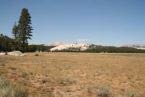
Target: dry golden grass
77	74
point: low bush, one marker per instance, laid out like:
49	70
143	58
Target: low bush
9	90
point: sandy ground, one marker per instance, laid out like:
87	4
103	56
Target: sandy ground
77	74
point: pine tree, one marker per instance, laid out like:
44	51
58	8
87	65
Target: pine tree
24	29
15	31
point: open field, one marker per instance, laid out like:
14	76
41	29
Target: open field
77	74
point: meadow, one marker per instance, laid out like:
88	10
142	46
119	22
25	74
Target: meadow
77	74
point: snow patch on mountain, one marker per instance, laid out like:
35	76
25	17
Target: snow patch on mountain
80	46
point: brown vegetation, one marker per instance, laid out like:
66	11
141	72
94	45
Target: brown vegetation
77	74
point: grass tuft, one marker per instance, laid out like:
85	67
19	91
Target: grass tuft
103	92
8	90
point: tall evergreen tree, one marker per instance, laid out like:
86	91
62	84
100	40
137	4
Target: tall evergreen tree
16	43
15	31
24	29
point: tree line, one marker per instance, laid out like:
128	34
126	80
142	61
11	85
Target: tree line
9	44
113	49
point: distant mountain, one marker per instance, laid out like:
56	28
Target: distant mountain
72	46
85	47
137	46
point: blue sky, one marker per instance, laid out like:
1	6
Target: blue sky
106	22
